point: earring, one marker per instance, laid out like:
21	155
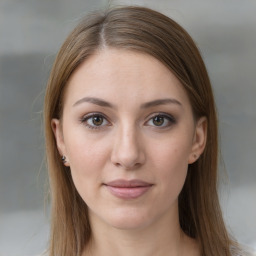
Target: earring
63	159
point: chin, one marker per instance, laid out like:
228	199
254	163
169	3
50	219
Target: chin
128	219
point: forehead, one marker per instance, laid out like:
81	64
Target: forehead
123	75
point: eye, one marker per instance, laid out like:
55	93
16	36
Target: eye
161	120
95	121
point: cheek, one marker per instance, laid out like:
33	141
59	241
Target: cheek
84	148
87	159
171	161
172	151
174	167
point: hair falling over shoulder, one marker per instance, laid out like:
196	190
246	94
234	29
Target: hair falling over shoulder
147	31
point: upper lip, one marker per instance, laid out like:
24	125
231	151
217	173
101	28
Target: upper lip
120	183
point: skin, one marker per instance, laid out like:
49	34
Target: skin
129	140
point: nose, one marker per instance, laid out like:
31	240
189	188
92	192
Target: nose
128	151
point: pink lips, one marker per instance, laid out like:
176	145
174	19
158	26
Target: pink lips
128	189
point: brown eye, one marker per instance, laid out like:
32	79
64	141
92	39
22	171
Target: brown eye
97	120
161	121
158	120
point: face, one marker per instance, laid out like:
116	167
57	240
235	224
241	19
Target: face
128	135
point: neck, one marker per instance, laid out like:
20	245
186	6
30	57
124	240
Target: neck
161	238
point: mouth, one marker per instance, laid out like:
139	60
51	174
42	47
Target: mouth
128	189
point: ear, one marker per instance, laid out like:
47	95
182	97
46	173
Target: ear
57	130
199	140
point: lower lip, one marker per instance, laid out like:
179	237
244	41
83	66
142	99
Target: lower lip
128	192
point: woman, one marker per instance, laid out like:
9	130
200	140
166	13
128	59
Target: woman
131	140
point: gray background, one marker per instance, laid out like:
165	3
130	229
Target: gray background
31	32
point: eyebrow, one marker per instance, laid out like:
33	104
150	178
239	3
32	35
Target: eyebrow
149	104
95	101
160	102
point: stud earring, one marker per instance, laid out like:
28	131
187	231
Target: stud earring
63	159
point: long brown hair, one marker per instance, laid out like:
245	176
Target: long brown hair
147	31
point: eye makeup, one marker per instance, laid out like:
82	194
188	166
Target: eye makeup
161	120
95	121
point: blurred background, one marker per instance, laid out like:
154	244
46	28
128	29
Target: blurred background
31	32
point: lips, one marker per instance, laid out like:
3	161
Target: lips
128	189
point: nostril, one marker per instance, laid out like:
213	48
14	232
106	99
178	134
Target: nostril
137	165
126	166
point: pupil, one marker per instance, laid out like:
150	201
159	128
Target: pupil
158	120
97	120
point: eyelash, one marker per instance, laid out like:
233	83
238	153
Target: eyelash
84	120
167	118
